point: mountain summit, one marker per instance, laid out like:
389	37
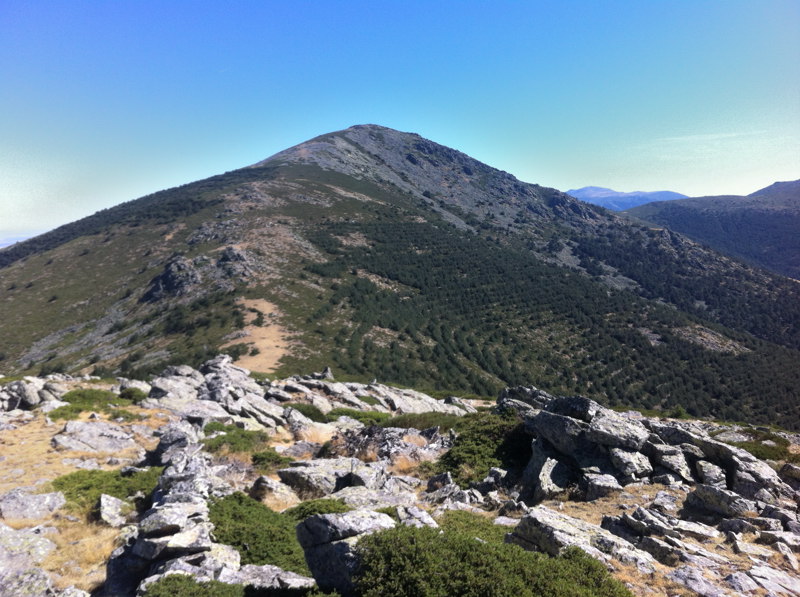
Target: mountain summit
386	255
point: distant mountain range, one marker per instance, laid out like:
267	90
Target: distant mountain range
618	201
762	228
386	255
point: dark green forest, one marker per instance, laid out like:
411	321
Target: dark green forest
431	307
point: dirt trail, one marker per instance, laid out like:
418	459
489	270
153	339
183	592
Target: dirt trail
271	340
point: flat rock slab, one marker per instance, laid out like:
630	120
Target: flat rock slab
93	436
19	504
552	532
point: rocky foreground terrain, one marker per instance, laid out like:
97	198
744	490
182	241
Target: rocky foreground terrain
670	506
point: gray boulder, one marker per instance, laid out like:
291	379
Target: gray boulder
266	577
318	478
545	530
631	465
670	457
175	437
111	510
363	497
599	486
328	541
693	579
23	393
567	435
411	401
574	407
172	517
546	476
20	553
720	501
93	436
609	428
711	474
21	504
195	539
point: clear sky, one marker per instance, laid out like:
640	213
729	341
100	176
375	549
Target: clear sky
102	102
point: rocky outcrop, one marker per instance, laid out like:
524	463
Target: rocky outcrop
179	278
20	504
20	552
542	529
94	436
328	541
583	447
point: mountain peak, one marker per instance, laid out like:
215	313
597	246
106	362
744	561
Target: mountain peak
618	200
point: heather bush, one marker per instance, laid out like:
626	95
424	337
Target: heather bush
409	562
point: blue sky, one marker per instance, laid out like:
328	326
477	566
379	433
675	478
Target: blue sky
102	102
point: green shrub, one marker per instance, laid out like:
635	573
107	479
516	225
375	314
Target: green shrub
82	489
182	585
371	400
443	421
320	506
268	461
390	511
409	562
260	535
135	395
486	440
472	524
368	417
310	411
125	415
84	400
234	438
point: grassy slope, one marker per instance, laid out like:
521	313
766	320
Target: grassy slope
387	289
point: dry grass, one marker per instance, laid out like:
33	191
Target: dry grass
279	503
270	339
30	460
415	439
82	550
403	465
316	432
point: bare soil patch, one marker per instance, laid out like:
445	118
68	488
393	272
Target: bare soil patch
270	339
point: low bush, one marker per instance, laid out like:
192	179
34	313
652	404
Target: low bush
84	400
134	395
268	461
485	440
310	411
234	439
443	421
409	562
368	417
320	506
259	534
182	585
82	489
472	524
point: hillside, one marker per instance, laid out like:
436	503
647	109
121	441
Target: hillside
383	254
761	228
619	201
207	483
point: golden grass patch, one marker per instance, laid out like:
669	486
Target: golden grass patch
82	550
